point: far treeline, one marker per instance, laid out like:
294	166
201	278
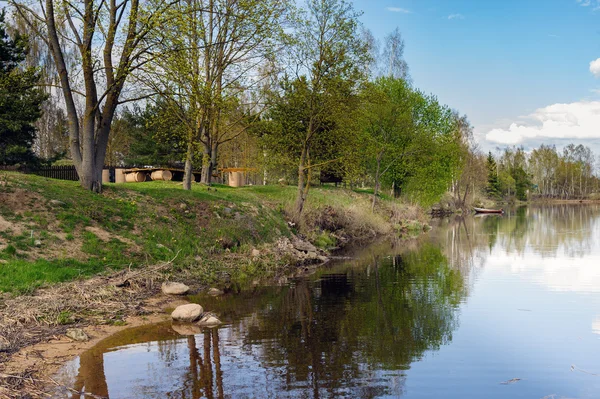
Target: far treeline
542	173
292	93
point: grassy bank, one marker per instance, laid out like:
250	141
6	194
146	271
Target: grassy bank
53	231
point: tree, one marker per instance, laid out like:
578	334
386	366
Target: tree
388	125
473	173
211	53
329	59
393	63
493	184
20	100
107	36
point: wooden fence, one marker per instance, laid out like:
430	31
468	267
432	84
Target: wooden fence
66	172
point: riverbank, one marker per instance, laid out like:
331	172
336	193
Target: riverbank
70	258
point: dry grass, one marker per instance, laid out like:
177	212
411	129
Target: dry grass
354	220
29	319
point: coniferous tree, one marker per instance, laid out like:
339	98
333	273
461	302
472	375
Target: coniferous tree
20	100
493	185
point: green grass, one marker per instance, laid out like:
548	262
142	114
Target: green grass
22	276
146	223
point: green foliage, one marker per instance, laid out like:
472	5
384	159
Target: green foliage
152	136
412	141
493	188
20	100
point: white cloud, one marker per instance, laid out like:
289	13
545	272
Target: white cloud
456	16
400	10
578	120
595	67
584	3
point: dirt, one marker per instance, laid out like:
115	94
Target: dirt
37	364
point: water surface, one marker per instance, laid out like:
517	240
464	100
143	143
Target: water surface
481	307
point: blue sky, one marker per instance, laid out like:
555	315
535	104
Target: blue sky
503	62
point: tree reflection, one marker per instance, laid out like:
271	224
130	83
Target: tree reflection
332	334
335	331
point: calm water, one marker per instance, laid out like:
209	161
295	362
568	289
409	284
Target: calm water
462	313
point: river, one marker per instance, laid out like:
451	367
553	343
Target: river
481	307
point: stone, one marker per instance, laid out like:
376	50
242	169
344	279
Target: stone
37	243
215	292
323	258
227	210
312	255
209	320
304	246
182	206
255	253
56	202
171	288
77	334
186	329
187	313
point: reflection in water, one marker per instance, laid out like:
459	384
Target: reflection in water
386	324
350	331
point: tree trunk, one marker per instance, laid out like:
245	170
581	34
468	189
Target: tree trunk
206	164
376	188
301	183
188	176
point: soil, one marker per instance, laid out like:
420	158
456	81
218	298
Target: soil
33	366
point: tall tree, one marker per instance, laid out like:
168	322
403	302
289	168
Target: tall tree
392	59
493	184
20	100
211	54
329	58
107	36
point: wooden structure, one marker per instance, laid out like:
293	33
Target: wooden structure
236	177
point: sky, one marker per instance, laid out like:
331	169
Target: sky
525	72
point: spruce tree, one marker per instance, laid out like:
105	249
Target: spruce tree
493	185
20	99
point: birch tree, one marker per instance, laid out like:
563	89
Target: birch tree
327	54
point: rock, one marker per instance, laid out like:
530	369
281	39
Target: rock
56	202
209	320
323	258
255	253
77	334
312	255
304	246
188	313
215	292
171	288
186	329
227	210
182	206
37	243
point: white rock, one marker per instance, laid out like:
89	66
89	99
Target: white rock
209	320
215	292
37	243
77	334
56	202
255	253
188	313
171	288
